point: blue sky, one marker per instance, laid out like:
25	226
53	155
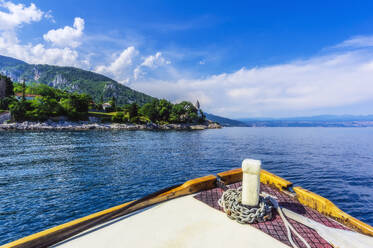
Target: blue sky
239	58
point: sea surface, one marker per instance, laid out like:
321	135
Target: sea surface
48	178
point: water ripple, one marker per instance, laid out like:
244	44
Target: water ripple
48	178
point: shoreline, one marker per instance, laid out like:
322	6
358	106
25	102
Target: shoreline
85	126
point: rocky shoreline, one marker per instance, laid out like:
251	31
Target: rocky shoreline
80	126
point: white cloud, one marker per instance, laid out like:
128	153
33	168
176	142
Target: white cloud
67	36
357	42
324	82
18	14
152	62
155	60
122	66
49	16
38	53
128	66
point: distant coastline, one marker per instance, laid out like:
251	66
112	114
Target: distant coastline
82	126
306	121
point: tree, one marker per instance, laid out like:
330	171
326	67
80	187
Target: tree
183	112
201	116
118	117
18	110
149	110
132	110
80	102
8	87
113	103
23	90
157	110
44	107
164	109
76	106
6	102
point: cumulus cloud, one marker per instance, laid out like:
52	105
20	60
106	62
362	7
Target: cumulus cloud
13	16
152	62
38	53
155	60
129	66
67	36
17	14
122	66
324	82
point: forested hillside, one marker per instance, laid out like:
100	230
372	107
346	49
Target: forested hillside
73	80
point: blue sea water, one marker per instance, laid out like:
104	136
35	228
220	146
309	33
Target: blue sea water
48	178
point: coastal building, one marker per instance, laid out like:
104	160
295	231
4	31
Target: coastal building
27	96
106	105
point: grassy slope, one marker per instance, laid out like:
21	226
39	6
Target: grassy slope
107	116
101	114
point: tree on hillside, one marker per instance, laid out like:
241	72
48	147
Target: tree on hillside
113	103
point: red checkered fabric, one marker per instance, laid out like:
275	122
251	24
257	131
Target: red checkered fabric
276	227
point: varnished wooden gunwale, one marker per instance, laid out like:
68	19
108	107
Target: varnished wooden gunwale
62	232
56	234
328	208
305	197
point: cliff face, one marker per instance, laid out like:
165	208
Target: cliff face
59	82
71	79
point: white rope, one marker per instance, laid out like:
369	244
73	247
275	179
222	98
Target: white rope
288	226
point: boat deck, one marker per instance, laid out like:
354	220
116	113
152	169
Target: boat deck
188	215
182	222
192	221
276	228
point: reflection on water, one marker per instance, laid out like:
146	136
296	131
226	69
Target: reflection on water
48	178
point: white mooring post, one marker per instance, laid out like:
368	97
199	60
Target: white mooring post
251	182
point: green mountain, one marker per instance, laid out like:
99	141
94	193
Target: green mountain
225	122
71	79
